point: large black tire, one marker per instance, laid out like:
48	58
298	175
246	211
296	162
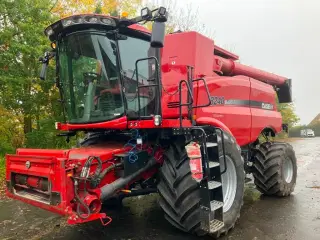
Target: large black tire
180	193
270	166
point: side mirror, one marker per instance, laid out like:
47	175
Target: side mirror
157	35
43	71
45	62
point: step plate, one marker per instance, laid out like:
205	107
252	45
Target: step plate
213	164
214	184
212	226
215	225
211	144
215	205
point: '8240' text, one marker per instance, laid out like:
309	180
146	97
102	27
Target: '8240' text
215	100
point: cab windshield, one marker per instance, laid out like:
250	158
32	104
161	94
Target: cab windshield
91	68
89	78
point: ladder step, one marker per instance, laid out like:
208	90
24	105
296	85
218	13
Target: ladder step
213	164
213	184
215	225
211	144
215	205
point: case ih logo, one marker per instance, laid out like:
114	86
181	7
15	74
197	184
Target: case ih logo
267	106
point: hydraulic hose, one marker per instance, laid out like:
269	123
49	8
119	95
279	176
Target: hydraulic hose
108	190
109	169
86	168
85	174
80	202
96	181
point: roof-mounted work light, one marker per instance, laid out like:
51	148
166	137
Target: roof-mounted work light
89	19
161	15
146	13
162	11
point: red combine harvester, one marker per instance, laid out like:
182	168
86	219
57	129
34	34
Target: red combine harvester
171	114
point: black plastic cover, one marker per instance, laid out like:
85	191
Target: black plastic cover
284	92
158	33
131	167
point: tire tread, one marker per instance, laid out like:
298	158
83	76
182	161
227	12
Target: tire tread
268	159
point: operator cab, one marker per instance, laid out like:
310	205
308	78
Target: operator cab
107	68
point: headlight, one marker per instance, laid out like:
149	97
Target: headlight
93	20
78	20
106	21
49	31
67	22
157	120
53	30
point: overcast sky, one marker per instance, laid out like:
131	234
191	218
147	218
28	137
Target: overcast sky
280	36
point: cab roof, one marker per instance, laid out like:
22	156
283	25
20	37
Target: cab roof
85	21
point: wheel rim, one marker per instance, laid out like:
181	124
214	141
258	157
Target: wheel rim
229	184
288	170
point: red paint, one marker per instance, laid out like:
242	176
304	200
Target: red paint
74	219
212	122
231	68
58	171
218	51
49	167
58	166
166	123
233	118
92	201
244	123
263	118
119	123
42	152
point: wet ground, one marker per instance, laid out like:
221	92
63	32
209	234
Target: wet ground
262	218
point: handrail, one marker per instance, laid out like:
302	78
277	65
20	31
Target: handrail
207	91
157	85
180	98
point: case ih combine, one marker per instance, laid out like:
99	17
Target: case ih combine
171	114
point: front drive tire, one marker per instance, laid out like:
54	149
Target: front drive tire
275	169
180	193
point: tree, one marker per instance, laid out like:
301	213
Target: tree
181	18
64	8
288	114
26	101
11	133
22	25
